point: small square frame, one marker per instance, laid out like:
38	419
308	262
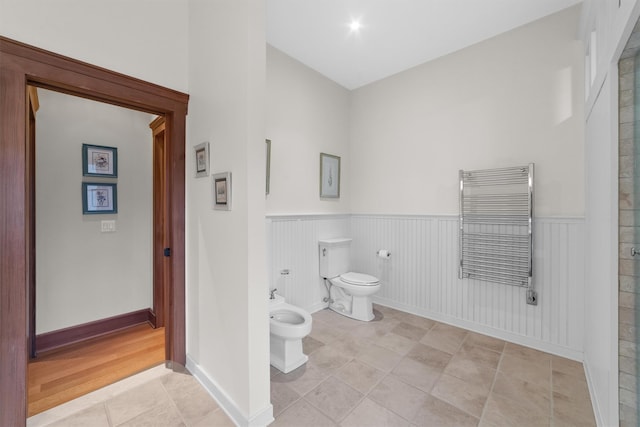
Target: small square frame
201	159
221	191
99	198
329	176
99	160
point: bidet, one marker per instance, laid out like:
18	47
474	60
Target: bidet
288	324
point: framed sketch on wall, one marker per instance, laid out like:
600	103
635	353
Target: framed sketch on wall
99	198
329	176
221	187
201	156
98	160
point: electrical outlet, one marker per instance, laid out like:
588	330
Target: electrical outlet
532	297
108	226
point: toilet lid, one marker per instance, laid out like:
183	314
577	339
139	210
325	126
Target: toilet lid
359	279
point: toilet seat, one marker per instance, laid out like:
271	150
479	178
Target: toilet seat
359	279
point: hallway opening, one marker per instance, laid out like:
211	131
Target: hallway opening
63	374
22	65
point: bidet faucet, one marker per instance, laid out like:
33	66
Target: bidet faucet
271	292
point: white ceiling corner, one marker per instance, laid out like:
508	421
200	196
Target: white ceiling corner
395	35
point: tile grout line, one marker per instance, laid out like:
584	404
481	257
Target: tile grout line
399	379
364	396
300	397
552	420
175	405
354	358
493	383
419	342
331	374
434	383
106	410
453	403
466	337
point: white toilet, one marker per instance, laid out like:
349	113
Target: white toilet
288	324
350	293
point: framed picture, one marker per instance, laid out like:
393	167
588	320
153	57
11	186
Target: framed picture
221	183
98	160
201	156
268	147
329	176
99	198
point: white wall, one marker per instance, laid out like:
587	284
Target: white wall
82	274
306	114
602	340
510	100
612	26
144	39
513	99
214	50
228	329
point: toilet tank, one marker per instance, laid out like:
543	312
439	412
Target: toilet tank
334	256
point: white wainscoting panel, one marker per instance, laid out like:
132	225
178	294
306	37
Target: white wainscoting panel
421	275
293	245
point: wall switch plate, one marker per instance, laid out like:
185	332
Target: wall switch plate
108	226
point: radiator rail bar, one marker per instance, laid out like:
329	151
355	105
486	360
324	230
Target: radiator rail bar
496	226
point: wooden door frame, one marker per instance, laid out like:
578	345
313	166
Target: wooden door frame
32	108
22	65
160	231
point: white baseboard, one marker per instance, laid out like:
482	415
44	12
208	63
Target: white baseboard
597	412
262	418
547	347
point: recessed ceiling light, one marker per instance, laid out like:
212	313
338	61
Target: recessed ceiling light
355	26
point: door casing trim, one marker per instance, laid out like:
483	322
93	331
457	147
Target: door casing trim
22	65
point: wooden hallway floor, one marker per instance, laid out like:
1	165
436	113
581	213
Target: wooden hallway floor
61	375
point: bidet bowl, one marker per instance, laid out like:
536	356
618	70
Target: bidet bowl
286	316
289	322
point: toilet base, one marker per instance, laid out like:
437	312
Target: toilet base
286	355
360	308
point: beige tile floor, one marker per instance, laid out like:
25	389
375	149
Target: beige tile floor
405	370
155	398
397	370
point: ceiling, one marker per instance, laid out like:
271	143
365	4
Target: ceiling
395	34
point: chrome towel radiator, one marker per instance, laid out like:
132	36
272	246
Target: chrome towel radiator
496	226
